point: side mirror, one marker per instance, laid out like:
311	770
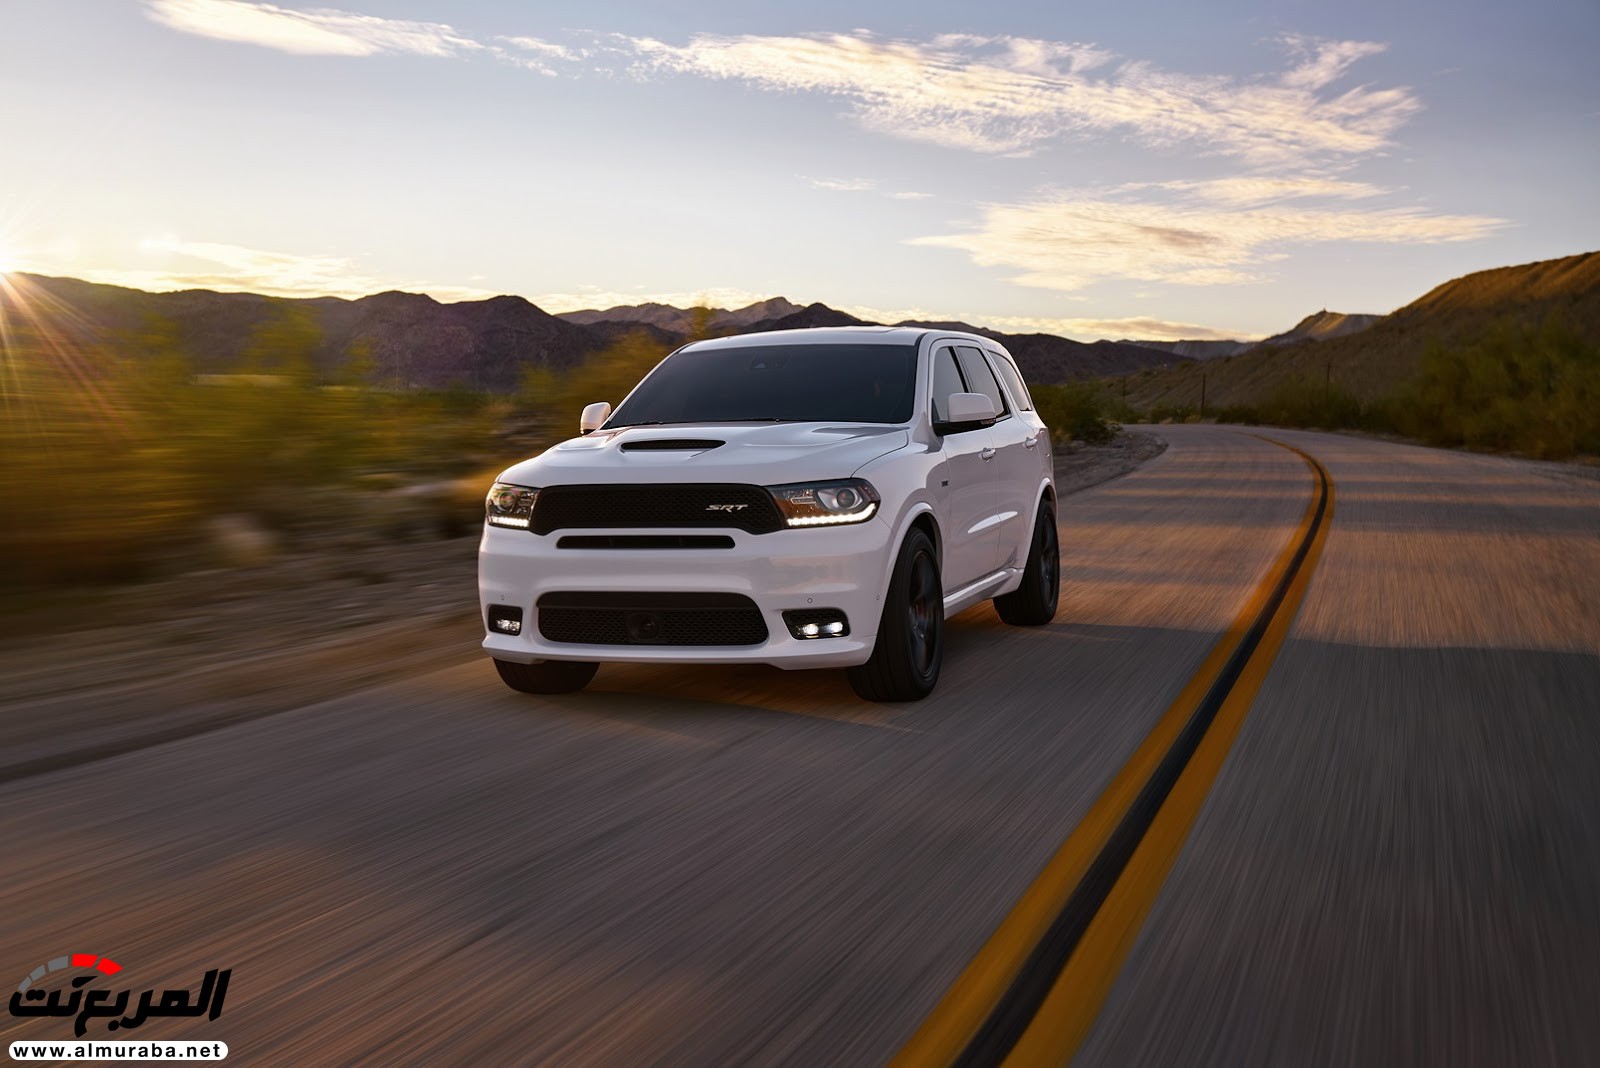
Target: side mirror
967	411
593	417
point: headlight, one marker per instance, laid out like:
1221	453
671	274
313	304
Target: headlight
509	506
818	504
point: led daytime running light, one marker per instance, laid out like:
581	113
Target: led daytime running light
833	520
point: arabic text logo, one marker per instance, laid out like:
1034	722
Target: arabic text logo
30	999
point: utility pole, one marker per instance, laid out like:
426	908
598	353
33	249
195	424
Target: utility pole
1202	394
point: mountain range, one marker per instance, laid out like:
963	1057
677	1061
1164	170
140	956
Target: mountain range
410	340
1319	326
1371	361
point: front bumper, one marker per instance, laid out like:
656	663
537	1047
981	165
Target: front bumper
845	567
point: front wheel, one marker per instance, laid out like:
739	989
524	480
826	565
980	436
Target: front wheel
1033	603
910	647
547	676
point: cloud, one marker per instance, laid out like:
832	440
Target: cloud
1014	95
1140	327
1185	233
860	185
995	94
320	32
1323	62
1084	329
841	185
535	54
1246	190
543	48
237	269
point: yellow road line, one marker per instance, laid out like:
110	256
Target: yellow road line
1076	996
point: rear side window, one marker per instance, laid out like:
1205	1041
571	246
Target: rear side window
946	380
979	378
1008	371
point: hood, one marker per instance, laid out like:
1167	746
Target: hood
763	454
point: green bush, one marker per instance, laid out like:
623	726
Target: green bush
116	457
1242	414
1078	411
1532	390
1307	402
1171	413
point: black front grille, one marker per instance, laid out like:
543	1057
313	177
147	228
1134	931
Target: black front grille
651	619
695	504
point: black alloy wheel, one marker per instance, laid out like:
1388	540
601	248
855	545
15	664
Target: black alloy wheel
910	646
1033	603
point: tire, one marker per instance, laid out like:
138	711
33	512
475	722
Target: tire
1033	603
547	676
910	647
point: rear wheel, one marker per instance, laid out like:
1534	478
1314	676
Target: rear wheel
547	676
910	647
1034	602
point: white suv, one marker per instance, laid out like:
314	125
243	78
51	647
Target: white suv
804	498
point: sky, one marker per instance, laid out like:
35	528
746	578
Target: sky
1136	169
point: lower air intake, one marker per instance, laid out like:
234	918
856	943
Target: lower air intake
651	619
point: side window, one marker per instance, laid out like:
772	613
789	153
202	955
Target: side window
946	380
1013	379
979	378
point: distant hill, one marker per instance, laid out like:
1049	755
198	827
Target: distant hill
1372	362
1042	357
1195	350
1321	326
682	320
1048	358
1317	327
410	339
807	318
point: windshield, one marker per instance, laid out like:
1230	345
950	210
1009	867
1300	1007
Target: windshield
777	383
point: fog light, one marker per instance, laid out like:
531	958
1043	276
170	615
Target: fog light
504	619
809	623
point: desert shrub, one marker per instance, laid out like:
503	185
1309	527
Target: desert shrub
1308	402
1533	390
1078	411
549	402
1171	413
117	455
1243	414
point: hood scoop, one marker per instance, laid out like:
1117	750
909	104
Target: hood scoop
670	445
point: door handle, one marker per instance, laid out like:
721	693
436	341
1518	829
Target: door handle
1032	443
987	454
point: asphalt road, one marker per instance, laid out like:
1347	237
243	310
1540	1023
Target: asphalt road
1399	862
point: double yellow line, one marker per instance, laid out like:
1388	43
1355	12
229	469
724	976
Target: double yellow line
1034	989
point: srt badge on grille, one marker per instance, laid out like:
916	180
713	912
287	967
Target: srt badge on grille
726	507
